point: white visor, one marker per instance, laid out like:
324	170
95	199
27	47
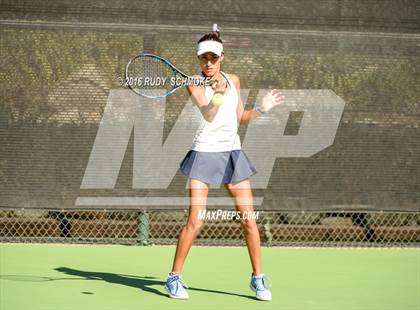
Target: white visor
210	46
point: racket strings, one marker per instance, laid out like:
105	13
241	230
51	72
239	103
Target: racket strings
148	75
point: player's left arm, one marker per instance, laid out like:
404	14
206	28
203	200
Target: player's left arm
272	99
244	116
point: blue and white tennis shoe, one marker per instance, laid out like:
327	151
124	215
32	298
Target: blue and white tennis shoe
175	287
259	286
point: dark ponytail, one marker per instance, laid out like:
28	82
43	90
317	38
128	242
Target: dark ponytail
211	36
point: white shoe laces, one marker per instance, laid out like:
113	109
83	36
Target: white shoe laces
264	279
177	279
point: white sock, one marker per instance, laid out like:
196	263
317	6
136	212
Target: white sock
171	274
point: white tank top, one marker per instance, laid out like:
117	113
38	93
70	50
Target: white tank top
221	134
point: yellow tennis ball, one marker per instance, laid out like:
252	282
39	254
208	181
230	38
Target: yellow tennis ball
217	99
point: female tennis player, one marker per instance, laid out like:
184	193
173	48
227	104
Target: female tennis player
216	158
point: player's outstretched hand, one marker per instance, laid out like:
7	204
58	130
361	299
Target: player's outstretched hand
272	99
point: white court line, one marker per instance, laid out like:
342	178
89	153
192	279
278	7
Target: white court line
157	201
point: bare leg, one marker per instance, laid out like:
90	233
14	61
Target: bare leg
242	193
198	192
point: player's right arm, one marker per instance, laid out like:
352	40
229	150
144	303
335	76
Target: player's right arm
208	110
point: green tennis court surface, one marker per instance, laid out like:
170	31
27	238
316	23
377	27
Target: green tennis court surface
123	277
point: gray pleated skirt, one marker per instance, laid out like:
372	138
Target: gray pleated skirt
217	167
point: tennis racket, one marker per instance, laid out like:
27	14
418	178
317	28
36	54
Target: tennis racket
148	75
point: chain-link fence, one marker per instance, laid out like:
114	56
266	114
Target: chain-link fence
138	227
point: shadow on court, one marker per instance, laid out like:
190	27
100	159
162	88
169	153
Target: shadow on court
145	283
